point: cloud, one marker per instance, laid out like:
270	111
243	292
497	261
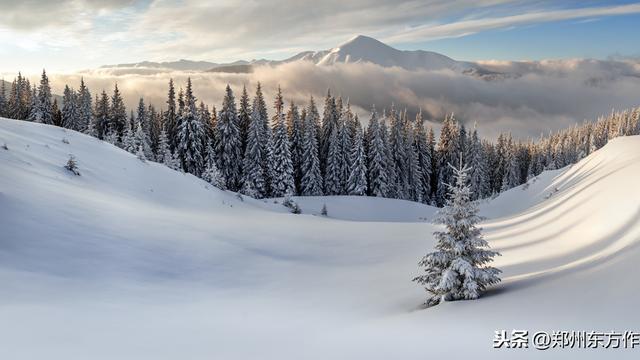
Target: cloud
82	33
225	30
533	98
472	26
30	15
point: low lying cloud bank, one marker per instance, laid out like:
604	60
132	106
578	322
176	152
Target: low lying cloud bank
526	98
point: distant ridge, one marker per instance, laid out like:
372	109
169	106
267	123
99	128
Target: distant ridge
359	49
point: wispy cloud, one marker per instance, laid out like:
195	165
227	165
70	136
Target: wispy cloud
94	32
472	26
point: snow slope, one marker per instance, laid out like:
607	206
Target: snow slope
134	261
360	208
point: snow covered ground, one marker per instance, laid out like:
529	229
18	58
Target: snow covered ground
132	260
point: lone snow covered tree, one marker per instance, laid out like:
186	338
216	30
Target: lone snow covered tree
71	165
458	269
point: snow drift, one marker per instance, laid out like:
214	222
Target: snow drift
132	260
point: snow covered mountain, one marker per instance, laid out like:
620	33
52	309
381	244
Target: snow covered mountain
184	65
359	49
132	260
365	49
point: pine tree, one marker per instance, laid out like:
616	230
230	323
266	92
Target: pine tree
70	118
350	122
244	118
462	142
458	269
57	114
84	107
357	183
163	154
34	109
447	152
117	112
311	181
142	116
140	154
479	179
229	143
170	117
398	172
111	136
413	182
424	158
143	129
91	129
102	115
329	123
282	169
259	112
377	156
142	142
333	173
17	105
155	128
253	181
72	165
3	98
191	136
296	132
512	173
431	147
211	173
44	100
344	155
129	140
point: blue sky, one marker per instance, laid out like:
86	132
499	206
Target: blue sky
593	37
70	35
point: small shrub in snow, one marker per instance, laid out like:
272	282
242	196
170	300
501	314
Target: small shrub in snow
324	212
72	165
553	192
291	204
240	197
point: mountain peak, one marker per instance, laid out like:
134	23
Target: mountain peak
363	41
365	49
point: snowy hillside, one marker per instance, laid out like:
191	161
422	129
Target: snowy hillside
132	260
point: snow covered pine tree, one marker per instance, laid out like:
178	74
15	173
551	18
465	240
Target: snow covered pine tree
458	269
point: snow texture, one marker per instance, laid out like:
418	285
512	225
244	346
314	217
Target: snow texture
132	260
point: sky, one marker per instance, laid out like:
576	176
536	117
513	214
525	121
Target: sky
71	35
563	61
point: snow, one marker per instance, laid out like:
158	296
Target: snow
358	49
366	49
367	209
132	260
